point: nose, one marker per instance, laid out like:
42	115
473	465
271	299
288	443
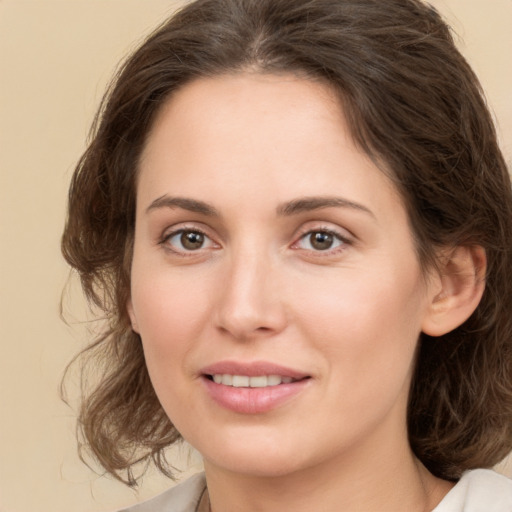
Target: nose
252	303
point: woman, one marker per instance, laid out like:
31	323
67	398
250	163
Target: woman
297	219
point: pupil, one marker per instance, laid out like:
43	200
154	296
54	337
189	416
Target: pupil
321	240
191	240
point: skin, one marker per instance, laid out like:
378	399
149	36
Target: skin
250	146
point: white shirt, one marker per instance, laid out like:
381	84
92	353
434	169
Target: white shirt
479	490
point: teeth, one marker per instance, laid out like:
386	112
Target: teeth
258	382
244	381
240	381
274	380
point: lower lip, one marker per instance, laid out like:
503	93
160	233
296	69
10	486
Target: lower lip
253	400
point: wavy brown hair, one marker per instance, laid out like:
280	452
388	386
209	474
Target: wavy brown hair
413	103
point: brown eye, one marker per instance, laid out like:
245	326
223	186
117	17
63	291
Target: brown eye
188	240
191	240
321	240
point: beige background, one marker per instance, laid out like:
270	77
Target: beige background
55	59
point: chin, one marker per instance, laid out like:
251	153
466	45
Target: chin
256	466
258	459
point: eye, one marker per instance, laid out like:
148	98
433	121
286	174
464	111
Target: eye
320	240
188	240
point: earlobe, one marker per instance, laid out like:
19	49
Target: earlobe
131	314
459	289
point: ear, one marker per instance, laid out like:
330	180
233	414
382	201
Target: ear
131	314
457	289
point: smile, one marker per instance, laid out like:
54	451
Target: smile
246	381
253	388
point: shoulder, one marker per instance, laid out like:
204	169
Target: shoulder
479	490
183	497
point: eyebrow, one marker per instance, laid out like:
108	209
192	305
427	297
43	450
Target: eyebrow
307	204
304	204
192	205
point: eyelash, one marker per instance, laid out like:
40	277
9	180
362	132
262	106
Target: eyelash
343	241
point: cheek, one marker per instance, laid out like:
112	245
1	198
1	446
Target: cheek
167	326
366	325
359	301
170	311
369	350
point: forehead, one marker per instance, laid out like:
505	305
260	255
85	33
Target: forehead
223	105
277	135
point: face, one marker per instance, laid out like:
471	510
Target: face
275	283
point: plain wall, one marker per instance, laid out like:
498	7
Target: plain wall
56	57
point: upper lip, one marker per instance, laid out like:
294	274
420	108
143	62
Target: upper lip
252	369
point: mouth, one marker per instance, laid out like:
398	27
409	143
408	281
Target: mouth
253	387
246	381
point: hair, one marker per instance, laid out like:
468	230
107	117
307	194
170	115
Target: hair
413	103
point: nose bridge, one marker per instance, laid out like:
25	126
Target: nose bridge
250	301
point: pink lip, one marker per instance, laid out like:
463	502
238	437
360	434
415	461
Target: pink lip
252	400
252	369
